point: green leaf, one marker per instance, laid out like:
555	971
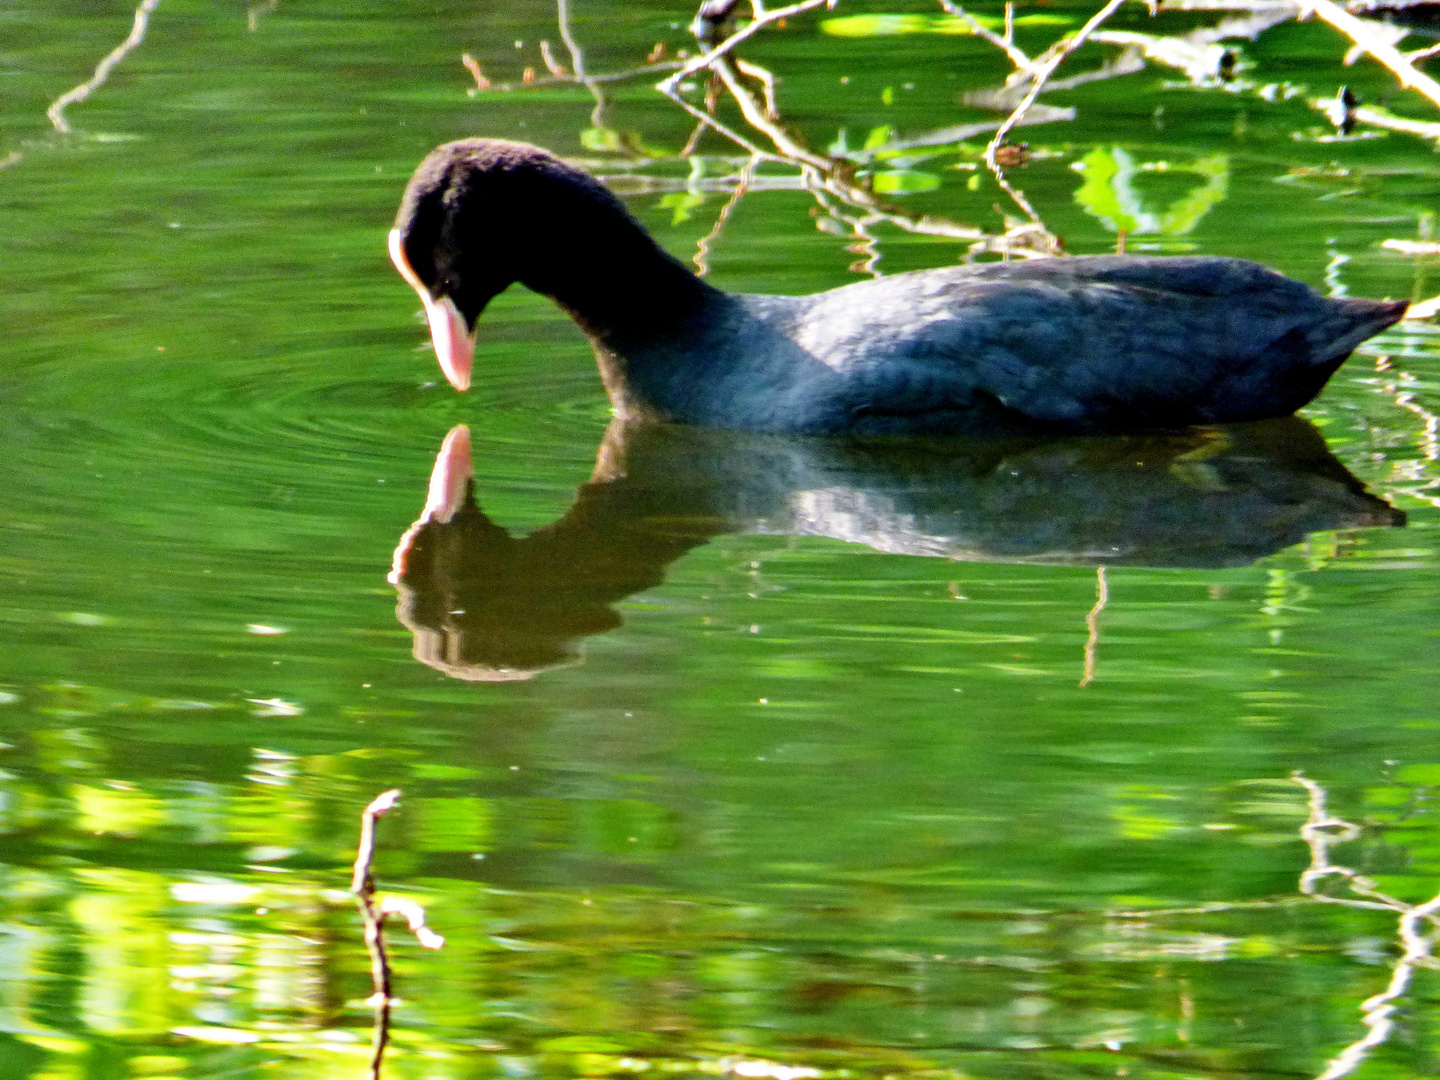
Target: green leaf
892	24
876	25
681	202
1109	193
602	140
904	182
878	137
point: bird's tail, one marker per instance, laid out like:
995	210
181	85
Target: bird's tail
1352	321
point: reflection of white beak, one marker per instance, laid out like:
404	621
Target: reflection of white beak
454	343
449	485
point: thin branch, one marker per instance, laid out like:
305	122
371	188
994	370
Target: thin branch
707	120
552	65
1004	42
1423	54
362	884
1044	68
761	21
766	80
756	118
607	77
822	174
866	244
1381	118
577	63
1224	5
577	58
56	112
1039	114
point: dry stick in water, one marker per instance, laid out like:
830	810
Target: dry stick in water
362	884
56	112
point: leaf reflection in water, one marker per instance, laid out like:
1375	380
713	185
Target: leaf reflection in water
486	606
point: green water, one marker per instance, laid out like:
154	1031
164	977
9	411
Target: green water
786	787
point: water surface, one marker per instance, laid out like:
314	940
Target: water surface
853	772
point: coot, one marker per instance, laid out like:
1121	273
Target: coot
1095	343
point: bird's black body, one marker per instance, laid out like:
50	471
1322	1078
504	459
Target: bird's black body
1101	343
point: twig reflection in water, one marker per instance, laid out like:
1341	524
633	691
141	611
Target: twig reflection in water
483	605
258	11
1092	627
56	112
362	884
1320	832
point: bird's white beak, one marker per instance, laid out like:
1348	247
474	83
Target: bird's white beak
454	343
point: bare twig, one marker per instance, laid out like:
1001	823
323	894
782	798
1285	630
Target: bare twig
552	65
762	19
606	77
1380	118
577	64
756	118
577	58
1423	54
362	885
1004	42
866	245
706	120
1043	68
1225	5
823	175
766	81
56	112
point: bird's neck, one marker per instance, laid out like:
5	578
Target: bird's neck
616	281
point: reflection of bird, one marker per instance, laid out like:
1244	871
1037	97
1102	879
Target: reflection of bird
484	605
1080	344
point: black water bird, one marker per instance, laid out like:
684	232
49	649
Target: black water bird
1097	343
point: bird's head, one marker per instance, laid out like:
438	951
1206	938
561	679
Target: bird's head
455	238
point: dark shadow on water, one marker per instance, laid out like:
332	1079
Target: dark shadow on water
487	606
